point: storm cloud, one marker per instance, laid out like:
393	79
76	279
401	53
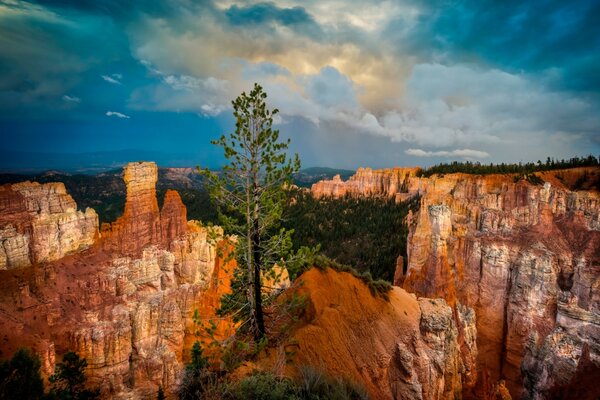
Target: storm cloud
385	83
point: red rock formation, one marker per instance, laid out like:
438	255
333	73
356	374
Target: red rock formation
142	223
40	223
404	348
367	182
125	304
527	259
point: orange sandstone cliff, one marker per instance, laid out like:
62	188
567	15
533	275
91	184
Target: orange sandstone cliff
401	348
392	182
41	223
525	257
124	300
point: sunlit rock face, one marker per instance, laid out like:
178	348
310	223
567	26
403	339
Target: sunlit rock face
527	259
40	223
124	300
384	182
395	348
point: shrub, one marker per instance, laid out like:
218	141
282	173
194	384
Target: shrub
315	385
263	386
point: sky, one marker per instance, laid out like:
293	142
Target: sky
357	83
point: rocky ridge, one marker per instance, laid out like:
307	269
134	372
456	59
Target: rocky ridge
126	302
392	182
400	348
526	258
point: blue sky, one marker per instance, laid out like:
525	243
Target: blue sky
358	83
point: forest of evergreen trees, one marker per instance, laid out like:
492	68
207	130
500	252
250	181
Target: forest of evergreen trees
366	233
503	168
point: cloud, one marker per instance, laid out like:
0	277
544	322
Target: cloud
71	99
114	79
182	93
466	105
400	74
464	153
116	114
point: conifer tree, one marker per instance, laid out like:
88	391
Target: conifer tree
250	192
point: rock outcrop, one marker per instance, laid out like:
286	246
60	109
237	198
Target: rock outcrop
401	348
527	259
40	223
391	182
126	302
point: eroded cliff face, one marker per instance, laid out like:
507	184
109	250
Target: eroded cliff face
404	348
391	182
40	223
126	302
526	258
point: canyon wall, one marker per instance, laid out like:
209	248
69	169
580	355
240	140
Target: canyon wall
525	257
392	182
124	300
41	223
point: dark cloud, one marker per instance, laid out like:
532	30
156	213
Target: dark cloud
262	13
357	84
512	35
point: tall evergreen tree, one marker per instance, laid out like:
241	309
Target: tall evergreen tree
251	194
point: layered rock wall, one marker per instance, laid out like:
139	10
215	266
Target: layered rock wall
401	348
126	303
366	182
524	257
40	223
527	259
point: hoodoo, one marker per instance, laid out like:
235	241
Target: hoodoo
525	257
123	301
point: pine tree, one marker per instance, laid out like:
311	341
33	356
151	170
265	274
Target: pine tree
20	377
68	380
251	194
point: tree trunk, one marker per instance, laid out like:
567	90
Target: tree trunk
258	311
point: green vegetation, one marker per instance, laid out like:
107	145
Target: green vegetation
198	382
520	168
68	380
311	385
20	376
250	196
367	233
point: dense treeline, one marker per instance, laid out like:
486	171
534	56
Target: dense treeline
503	168
366	233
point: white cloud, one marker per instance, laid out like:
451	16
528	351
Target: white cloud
351	79
464	153
116	114
112	79
71	99
182	93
